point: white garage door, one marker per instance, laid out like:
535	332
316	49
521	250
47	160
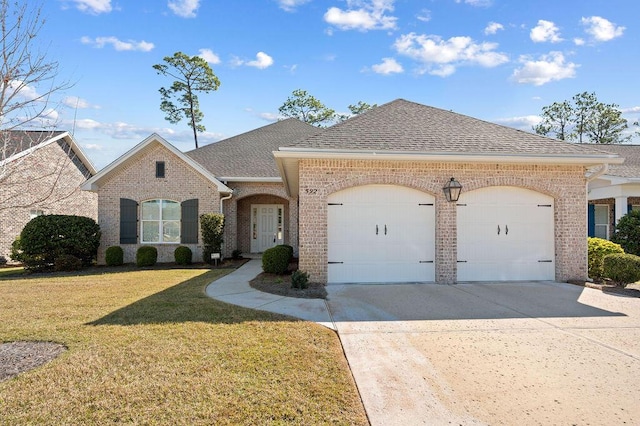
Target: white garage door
381	234
505	234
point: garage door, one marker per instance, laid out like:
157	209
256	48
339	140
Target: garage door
380	234
505	234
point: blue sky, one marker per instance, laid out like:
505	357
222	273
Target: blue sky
498	60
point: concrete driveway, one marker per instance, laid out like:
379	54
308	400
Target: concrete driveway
505	353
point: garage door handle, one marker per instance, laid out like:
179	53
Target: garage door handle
506	230
376	229
498	229
385	230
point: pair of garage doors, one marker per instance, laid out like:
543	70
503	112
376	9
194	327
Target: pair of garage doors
387	233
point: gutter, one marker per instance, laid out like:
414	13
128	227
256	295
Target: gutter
228	197
604	168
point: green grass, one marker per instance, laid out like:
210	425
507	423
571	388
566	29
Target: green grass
149	347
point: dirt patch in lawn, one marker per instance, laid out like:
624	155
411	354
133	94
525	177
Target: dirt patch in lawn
18	357
281	285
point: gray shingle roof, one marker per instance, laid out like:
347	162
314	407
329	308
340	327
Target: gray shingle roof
631	154
403	126
250	154
16	141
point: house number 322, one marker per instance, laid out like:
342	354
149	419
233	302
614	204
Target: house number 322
310	191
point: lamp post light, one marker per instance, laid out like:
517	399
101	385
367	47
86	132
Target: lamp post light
452	190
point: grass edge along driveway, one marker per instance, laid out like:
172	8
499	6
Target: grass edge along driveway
149	347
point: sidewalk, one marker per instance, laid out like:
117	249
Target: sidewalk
234	288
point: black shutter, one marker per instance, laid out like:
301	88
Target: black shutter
189	222
128	221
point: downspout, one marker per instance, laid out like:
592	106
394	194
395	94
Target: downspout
228	197
595	175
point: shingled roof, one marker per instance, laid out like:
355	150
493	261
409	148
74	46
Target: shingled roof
631	154
403	126
16	141
249	155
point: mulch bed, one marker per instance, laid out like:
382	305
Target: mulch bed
281	285
631	290
18	357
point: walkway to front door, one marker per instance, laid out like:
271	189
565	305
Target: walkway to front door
267	226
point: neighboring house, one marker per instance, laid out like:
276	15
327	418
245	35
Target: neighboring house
615	192
41	173
363	201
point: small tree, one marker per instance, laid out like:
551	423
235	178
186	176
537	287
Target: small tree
192	74
627	233
212	228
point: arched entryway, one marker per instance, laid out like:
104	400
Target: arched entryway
263	222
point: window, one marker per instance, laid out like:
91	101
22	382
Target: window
160	169
35	213
160	221
602	221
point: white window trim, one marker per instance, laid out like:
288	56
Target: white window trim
608	224
160	221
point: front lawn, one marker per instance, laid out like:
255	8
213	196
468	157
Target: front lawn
148	347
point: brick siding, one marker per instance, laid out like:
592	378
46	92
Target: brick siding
137	181
46	180
566	184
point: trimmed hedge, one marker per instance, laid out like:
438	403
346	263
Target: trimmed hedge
598	249
276	259
146	256
114	256
45	238
622	268
212	228
183	255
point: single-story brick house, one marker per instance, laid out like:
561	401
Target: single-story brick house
41	173
363	201
615	192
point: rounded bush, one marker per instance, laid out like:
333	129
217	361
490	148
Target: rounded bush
288	247
114	256
45	238
622	268
183	255
299	279
67	262
276	260
146	256
627	233
598	249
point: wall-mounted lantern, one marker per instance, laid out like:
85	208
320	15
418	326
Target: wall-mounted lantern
452	190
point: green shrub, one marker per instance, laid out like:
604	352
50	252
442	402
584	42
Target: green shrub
3	260
299	279
276	260
45	238
146	256
114	256
236	254
622	268
598	249
212	228
627	233
290	249
67	262
183	255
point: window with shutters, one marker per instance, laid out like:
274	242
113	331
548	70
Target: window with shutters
160	221
602	221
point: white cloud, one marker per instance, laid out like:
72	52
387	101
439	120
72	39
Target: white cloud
493	27
94	7
363	15
290	5
184	8
442	57
578	41
476	3
545	31
631	110
525	122
269	116
601	29
24	91
551	67
93	146
119	45
209	56
424	16
79	103
388	66
262	61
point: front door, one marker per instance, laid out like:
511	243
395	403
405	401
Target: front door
267	226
